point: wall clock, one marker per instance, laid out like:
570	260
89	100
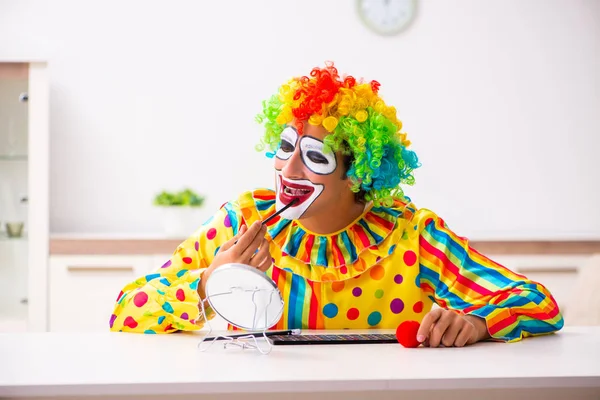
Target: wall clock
386	17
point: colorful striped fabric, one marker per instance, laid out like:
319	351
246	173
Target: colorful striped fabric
388	266
461	278
334	250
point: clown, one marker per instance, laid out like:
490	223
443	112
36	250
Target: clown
349	250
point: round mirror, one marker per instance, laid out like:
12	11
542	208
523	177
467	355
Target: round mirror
244	296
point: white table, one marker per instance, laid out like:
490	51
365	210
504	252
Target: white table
564	365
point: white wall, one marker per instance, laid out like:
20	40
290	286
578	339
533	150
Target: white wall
500	98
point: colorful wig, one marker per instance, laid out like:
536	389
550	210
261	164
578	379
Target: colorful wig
361	125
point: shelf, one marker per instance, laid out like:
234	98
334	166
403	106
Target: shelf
4	237
16	157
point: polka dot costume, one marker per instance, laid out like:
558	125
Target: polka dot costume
385	268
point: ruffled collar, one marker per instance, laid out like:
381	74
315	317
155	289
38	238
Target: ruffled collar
348	249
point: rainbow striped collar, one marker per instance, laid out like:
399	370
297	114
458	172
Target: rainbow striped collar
337	250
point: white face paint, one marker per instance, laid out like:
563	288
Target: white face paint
287	190
303	191
315	158
287	145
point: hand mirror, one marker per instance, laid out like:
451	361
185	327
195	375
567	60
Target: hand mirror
244	296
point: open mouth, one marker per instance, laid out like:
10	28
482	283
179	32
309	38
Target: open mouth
289	191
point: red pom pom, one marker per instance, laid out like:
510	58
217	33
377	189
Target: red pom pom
406	333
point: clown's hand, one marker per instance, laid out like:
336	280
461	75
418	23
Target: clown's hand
248	247
447	328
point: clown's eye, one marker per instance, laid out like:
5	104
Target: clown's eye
316	157
286	146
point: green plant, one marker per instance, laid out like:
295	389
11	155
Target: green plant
186	197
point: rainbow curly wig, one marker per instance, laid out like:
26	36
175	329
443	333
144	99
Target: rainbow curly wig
361	125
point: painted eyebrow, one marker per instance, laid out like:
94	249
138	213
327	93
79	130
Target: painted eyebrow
318	140
315	139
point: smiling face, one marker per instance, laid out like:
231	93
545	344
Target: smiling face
305	171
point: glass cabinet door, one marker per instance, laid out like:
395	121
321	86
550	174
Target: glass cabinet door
13	196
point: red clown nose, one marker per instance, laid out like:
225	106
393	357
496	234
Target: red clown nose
406	333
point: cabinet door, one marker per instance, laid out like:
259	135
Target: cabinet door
84	289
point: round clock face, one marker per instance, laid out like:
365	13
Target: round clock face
386	17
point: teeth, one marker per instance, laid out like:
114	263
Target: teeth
294	192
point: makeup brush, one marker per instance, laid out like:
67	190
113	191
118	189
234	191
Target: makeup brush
291	203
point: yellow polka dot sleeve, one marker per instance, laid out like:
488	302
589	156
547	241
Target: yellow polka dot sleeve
167	299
